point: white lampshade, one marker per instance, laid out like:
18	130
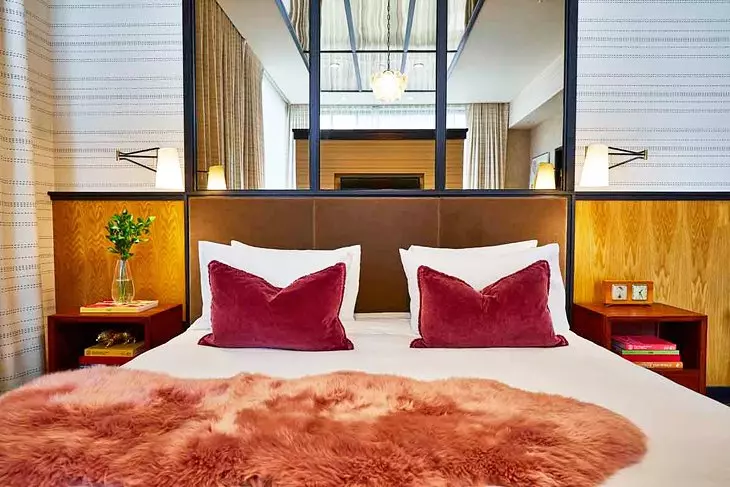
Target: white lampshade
388	86
216	177
595	167
545	178
169	172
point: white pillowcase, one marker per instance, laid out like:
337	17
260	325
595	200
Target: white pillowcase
282	267
473	251
487	268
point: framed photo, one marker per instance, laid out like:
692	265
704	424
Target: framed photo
536	161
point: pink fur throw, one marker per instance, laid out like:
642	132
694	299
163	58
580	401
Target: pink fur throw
118	427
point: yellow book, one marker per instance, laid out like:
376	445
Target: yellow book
111	307
122	350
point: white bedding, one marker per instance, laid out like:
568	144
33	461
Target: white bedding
689	434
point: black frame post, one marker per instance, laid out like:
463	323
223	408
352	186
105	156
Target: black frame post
569	93
189	109
315	8
442	36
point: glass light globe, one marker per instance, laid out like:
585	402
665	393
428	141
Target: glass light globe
388	86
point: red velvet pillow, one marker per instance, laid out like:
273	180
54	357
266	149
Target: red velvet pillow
248	312
511	312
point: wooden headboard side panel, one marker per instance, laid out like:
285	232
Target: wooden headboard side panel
476	222
380	225
285	223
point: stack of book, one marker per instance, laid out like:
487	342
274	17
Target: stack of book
111	307
115	355
647	351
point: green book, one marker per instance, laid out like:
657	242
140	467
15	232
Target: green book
644	352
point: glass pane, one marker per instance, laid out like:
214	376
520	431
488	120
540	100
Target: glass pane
252	94
377	127
507	88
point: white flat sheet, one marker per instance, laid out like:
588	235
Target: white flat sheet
689	434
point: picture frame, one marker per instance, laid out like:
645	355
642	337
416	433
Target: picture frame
536	161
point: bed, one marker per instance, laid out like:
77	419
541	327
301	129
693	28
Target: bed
689	434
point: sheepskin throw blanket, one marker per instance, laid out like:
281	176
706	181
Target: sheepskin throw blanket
117	427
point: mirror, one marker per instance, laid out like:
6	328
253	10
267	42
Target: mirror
378	94
252	91
375	135
506	85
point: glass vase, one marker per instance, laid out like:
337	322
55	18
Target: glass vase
122	284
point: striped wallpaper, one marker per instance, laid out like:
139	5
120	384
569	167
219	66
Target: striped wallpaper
655	74
118	84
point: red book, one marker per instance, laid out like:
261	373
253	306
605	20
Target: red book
652	358
642	342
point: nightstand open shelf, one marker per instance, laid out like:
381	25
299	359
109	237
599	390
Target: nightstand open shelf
70	333
598	323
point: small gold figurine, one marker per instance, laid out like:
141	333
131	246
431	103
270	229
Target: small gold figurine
111	337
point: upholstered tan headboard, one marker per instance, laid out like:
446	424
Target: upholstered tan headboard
380	225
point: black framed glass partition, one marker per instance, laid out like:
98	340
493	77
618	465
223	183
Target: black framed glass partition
507	79
379	95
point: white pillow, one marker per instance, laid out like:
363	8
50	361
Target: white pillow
473	251
433	255
484	270
208	252
282	267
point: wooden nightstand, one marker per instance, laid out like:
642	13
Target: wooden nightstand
598	322
70	333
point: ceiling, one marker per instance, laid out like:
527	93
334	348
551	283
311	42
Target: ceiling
511	43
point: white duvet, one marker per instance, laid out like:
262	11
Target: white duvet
689	434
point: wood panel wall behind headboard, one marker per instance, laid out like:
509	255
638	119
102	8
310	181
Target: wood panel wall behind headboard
683	246
380	225
84	267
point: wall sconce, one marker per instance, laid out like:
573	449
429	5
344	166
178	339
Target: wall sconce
216	177
545	177
168	173
596	167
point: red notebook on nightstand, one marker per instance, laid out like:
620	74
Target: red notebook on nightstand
642	342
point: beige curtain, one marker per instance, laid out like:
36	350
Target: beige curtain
26	175
228	100
486	155
470	6
299	16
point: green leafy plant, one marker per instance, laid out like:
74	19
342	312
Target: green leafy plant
124	232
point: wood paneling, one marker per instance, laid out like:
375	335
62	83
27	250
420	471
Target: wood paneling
683	246
380	225
84	267
380	157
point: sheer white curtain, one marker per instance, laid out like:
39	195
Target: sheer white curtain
26	175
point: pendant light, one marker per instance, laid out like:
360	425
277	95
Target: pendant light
389	85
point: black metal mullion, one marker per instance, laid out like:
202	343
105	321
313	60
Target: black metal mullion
467	32
353	43
569	90
442	27
407	38
189	108
315	8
